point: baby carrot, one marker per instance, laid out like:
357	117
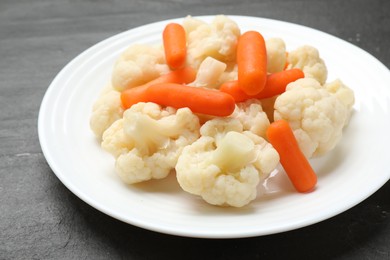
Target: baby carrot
297	167
275	85
199	100
278	81
251	62
183	75
233	88
174	41
132	96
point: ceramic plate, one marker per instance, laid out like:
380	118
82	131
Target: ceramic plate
357	167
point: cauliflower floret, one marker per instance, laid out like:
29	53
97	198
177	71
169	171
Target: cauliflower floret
316	116
225	165
209	72
148	140
138	64
115	141
307	58
276	55
230	73
218	127
217	40
252	117
106	110
190	24
342	92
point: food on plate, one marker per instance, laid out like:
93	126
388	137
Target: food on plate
209	73
226	164
251	62
137	65
342	92
106	110
252	117
294	162
148	140
316	116
199	100
217	107
175	45
134	95
276	84
307	58
217	39
276	55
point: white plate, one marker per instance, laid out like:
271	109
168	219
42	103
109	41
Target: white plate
357	168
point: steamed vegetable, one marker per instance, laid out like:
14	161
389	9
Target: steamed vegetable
147	142
199	100
175	45
220	108
105	111
316	116
276	55
307	58
251	62
276	84
137	65
294	162
226	164
209	73
134	95
217	39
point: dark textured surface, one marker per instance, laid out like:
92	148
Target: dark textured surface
41	219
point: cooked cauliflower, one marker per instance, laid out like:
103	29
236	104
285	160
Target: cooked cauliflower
252	117
231	73
276	55
316	116
217	40
148	140
226	164
115	141
191	24
138	64
342	92
106	110
209	72
307	58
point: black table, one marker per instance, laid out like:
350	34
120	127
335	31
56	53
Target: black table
41	219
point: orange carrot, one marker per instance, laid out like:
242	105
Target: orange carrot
297	167
184	75
199	100
233	88
251	62
275	85
132	96
174	41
